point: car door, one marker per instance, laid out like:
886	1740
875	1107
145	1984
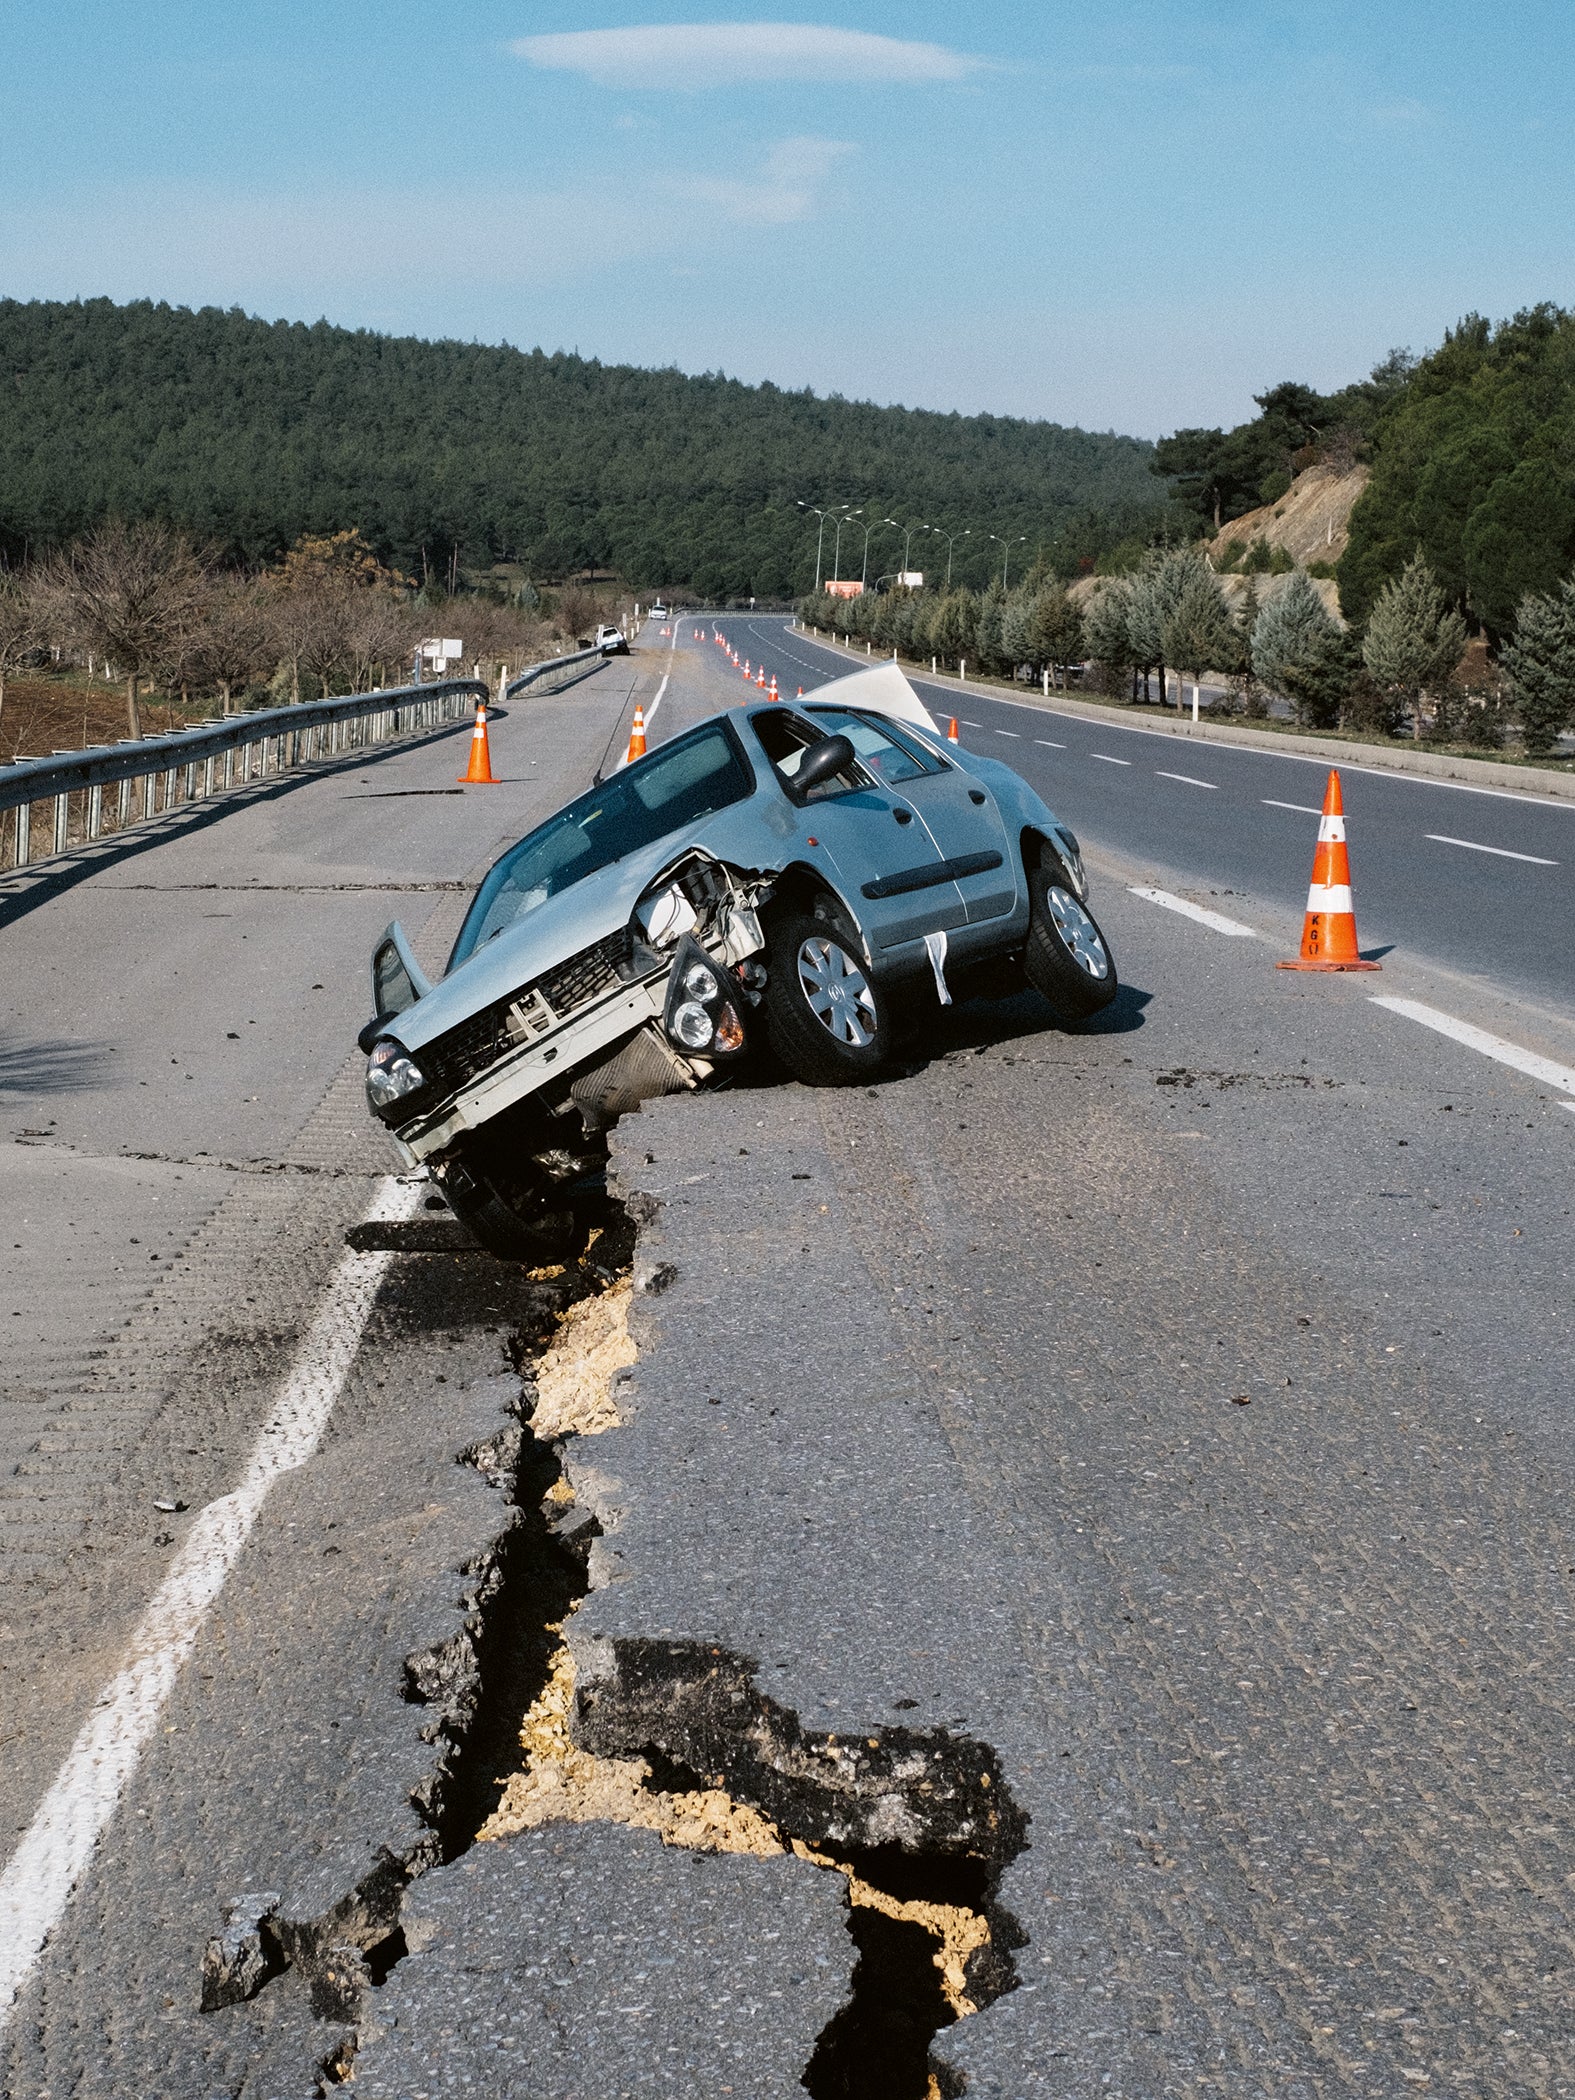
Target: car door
957	811
877	848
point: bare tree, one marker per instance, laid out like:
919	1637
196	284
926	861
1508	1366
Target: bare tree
376	631
126	593
21	622
231	638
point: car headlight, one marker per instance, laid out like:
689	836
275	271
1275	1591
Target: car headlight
692	1025
700	1016
391	1074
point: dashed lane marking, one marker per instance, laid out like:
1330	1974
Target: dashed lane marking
1303	809
1537	860
969	725
1049	744
1105	759
1012	733
1561	1077
58	1844
1186	778
1216	920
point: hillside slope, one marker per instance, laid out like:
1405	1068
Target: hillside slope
1311	521
250	433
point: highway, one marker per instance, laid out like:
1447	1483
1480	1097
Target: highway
1109	1488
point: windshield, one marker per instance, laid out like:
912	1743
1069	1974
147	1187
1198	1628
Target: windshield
676	786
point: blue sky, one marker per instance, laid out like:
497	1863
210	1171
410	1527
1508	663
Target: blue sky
1130	215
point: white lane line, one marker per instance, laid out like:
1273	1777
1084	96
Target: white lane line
1302	809
1105	759
1213	919
1440	838
969	725
1049	744
1527	1061
1012	733
57	1845
1160	774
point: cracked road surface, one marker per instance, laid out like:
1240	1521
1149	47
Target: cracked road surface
1166	1424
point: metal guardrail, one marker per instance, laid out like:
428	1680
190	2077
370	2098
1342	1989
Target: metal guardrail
553	666
152	775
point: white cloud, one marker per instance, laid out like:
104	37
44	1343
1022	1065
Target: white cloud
716	54
788	190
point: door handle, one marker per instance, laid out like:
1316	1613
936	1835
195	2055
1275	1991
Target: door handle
974	795
903	816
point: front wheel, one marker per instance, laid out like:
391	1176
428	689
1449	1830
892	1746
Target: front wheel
506	1213
1067	959
824	1018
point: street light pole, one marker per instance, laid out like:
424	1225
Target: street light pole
873	524
819	540
907	538
836	554
950	538
1006	547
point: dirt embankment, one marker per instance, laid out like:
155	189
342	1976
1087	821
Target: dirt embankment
1311	521
42	715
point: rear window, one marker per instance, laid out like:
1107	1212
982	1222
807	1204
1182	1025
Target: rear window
669	791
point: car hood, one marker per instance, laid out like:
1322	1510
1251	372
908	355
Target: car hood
597	905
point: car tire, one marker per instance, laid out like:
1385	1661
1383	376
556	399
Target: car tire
1067	959
506	1215
825	1020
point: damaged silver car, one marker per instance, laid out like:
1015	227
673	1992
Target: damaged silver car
783	874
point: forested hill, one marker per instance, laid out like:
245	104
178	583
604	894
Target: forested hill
250	433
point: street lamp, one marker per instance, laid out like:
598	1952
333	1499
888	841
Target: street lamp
819	538
949	537
1007	546
836	550
869	528
907	532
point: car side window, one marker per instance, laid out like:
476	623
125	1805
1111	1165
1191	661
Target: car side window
880	753
785	737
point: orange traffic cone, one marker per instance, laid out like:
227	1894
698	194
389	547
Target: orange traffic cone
801	692
773	694
479	772
951	730
760	676
746	667
1329	929
636	738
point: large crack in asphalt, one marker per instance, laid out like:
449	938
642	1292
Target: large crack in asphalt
676	1738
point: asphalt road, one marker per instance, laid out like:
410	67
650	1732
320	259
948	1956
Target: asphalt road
1482	883
1168	1425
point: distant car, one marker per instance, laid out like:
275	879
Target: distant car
658	610
611	642
779	872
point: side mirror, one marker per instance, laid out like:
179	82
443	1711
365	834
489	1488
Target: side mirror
822	762
397	979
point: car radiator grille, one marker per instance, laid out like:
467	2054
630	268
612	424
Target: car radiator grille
450	1061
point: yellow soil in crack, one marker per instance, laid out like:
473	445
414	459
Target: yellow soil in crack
561	1783
574	1378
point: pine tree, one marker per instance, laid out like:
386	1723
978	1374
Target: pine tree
1156	592
1540	662
1106	635
1300	650
1414	640
1197	634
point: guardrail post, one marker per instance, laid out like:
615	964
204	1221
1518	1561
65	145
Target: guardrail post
62	821
24	834
95	813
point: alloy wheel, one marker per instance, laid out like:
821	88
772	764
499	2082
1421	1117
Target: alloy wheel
838	992
1078	932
